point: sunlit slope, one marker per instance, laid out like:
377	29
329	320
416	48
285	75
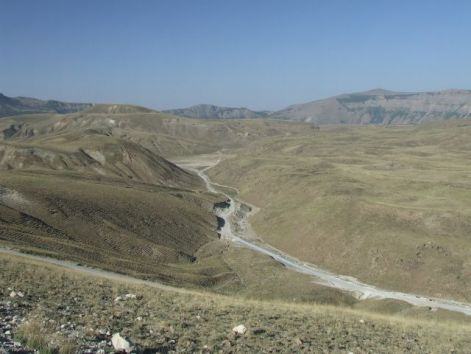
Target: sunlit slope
163	134
158	320
388	205
93	187
104	222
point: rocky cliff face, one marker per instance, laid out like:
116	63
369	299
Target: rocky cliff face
382	107
10	106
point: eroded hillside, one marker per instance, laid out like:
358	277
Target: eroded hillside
72	189
94	187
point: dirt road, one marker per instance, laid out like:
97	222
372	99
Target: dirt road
237	229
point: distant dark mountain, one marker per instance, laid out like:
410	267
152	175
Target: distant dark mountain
382	107
118	109
207	111
10	106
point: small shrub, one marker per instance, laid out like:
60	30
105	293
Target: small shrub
33	335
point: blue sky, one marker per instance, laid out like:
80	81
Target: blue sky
260	54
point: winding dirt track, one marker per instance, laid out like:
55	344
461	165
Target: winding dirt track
236	229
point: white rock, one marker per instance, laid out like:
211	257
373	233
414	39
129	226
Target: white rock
125	297
20	294
13	294
139	318
119	343
239	330
362	321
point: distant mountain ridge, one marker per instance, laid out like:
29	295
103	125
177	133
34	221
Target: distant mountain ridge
10	106
118	109
377	107
382	107
208	111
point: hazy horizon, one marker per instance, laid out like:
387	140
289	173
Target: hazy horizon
264	55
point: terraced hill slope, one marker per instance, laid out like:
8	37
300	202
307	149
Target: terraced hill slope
93	197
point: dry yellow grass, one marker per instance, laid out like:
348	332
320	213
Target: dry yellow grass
188	321
387	205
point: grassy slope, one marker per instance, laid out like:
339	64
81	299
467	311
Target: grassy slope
358	200
188	321
107	223
163	134
96	198
388	205
131	211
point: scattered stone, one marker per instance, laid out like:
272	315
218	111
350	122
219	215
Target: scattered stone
120	343
125	297
239	330
298	341
362	321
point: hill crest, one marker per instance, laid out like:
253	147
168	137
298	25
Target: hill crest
209	111
118	109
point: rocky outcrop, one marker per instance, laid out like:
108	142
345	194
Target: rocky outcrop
239	330
121	344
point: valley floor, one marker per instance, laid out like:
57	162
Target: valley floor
64	310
